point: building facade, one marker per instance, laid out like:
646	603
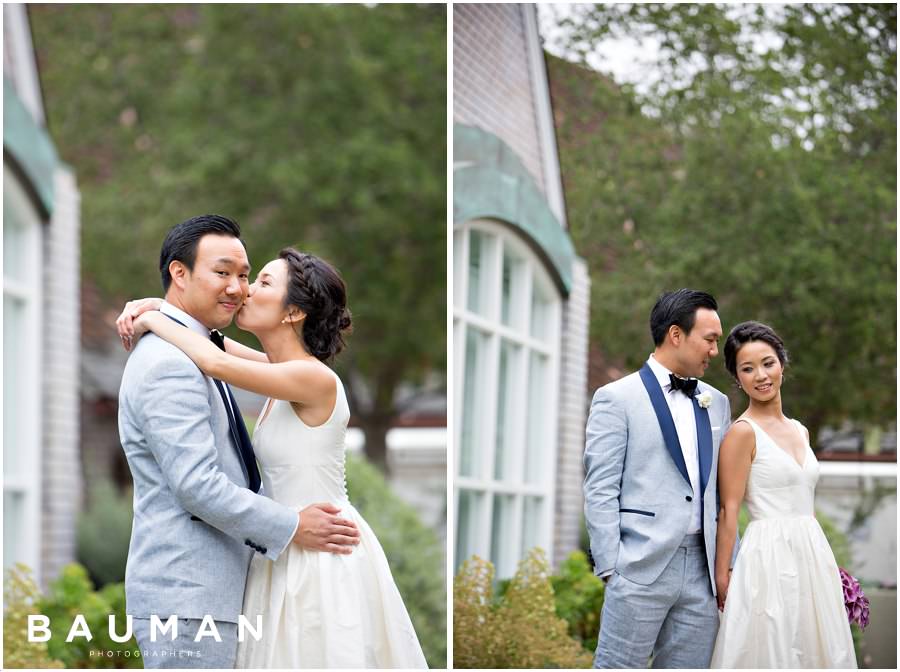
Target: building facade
520	301
41	326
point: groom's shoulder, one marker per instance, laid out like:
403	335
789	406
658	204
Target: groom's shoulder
717	394
621	386
154	356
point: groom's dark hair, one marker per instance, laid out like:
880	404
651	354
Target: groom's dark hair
182	240
679	307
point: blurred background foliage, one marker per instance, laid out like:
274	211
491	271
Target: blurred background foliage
320	126
759	163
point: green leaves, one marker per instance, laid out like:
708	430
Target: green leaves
768	179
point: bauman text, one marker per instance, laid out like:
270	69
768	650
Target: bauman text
39	628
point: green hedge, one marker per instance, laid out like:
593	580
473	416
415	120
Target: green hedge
104	533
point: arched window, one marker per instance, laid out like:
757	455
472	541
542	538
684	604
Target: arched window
507	314
22	282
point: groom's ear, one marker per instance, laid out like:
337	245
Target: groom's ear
178	271
676	334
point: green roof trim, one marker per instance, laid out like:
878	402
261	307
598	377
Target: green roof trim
490	182
29	145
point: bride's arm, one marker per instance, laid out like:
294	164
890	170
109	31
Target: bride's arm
136	308
735	456
232	347
304	382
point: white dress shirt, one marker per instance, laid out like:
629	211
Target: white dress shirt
682	410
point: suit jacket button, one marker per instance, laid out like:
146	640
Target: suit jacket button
689	499
263	550
247	542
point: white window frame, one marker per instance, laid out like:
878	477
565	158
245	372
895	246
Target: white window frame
27	482
531	269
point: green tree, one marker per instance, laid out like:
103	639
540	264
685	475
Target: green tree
758	164
321	126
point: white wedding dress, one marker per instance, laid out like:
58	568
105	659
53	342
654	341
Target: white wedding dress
785	604
321	610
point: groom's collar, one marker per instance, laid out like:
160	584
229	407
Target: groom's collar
660	372
191	323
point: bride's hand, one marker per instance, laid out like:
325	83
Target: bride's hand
125	321
722	589
139	327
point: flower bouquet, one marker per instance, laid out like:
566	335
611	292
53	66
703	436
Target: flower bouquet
855	601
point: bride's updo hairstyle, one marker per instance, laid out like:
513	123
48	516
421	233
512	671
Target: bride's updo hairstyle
745	332
316	288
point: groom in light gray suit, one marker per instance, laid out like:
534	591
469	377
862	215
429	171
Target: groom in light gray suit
198	519
652	445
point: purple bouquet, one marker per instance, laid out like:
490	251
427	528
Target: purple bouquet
855	601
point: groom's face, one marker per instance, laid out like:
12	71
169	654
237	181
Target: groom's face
702	344
216	288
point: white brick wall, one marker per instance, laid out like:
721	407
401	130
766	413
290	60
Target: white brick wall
61	484
493	87
572	414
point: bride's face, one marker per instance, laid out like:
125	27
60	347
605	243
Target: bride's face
263	308
759	370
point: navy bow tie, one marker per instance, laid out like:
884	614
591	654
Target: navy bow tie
686	385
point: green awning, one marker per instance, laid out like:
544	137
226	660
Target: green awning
490	182
29	145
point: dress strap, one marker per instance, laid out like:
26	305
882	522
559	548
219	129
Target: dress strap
750	422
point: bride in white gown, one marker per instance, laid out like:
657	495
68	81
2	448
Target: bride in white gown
783	604
320	610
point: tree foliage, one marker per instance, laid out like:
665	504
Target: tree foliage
321	126
760	165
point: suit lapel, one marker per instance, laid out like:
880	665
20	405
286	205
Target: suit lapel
704	444
664	417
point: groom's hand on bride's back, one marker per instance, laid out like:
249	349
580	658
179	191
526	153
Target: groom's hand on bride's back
322	529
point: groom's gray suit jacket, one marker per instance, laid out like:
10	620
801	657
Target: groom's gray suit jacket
637	495
195	520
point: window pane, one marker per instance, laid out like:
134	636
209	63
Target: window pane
540	312
536	436
16	211
506	412
512	312
473	402
13	335
457	265
501	532
477	272
531	523
12	525
467	525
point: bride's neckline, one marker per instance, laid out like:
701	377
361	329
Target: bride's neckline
793	459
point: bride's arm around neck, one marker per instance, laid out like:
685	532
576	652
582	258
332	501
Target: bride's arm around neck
306	382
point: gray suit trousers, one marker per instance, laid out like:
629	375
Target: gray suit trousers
675	619
183	651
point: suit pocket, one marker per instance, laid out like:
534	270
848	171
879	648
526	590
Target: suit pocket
639	512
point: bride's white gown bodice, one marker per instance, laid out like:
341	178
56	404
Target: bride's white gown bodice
784	606
302	465
321	610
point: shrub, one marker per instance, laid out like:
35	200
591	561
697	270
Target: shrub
413	551
578	594
521	629
104	532
73	593
20	597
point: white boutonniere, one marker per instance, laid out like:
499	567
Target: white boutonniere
704	399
